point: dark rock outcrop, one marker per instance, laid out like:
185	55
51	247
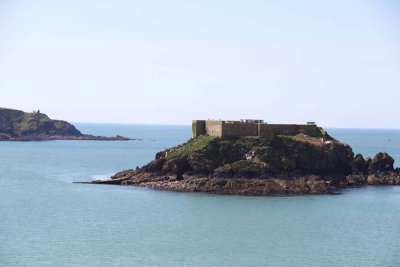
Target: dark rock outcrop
253	157
16	125
242	168
382	162
359	165
286	165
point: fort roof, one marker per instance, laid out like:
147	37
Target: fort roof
252	120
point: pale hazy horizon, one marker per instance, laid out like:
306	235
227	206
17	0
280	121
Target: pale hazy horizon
153	62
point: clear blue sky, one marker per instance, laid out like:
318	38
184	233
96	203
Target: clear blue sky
333	62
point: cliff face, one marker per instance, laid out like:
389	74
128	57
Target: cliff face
16	125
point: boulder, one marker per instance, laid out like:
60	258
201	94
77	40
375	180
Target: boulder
200	164
382	162
242	168
154	166
177	166
359	165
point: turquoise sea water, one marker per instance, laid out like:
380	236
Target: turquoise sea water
45	220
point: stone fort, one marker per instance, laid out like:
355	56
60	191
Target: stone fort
221	128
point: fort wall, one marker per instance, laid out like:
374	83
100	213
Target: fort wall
241	128
214	128
198	128
309	129
270	130
233	128
264	130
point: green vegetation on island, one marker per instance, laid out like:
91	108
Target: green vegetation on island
296	163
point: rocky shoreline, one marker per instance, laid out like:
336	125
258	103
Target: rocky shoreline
271	186
82	137
287	165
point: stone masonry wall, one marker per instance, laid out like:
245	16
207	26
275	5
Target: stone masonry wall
214	128
270	130
265	131
239	129
198	128
309	129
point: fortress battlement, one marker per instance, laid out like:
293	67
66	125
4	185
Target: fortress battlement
220	128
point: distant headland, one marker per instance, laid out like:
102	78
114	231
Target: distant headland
16	125
250	157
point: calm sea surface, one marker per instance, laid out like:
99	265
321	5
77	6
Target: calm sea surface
45	220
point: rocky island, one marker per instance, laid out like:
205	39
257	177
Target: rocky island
16	125
251	157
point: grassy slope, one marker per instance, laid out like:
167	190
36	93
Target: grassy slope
19	123
254	155
189	147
